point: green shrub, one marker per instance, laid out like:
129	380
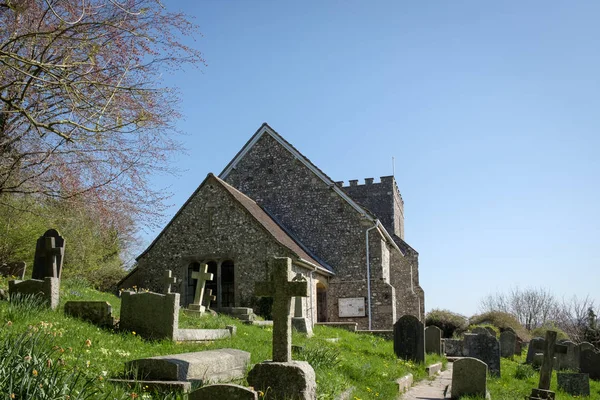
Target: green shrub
541	331
319	356
447	321
524	371
502	321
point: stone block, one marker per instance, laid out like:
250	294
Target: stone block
409	339
13	269
508	342
433	369
574	384
201	335
433	340
542	394
404	383
209	366
469	378
293	380
223	392
590	363
151	315
485	348
48	290
96	312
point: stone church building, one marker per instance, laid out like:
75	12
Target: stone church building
270	200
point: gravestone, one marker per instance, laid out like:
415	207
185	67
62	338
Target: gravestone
299	321
208	297
586	346
49	255
574	384
96	312
409	339
201	277
48	290
590	363
550	347
13	269
223	392
469	378
534	345
508	341
480	330
485	348
518	346
491	331
168	280
453	347
433	340
570	359
283	377
211	366
151	315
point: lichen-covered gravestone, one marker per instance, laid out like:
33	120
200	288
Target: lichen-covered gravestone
49	255
570	359
534	345
151	315
574	384
13	269
409	339
282	377
96	312
508	341
590	363
485	348
469	378
433	340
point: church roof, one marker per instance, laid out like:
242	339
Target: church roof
278	232
266	129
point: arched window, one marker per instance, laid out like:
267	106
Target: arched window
227	284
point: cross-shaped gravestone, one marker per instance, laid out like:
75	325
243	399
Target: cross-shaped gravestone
550	347
168	281
281	289
49	254
201	277
208	297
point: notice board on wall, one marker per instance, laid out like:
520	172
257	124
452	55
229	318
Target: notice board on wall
351	307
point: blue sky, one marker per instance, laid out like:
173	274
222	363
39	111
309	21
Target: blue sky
489	108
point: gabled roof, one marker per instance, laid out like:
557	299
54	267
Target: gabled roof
266	129
271	226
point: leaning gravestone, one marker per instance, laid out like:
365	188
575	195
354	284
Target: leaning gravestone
508	341
201	277
469	378
282	377
590	363
223	392
48	290
151	315
96	312
433	340
409	339
13	269
574	384
49	255
485	348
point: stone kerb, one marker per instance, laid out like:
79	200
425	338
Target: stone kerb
508	342
96	312
590	363
223	392
151	315
409	339
485	348
48	290
574	384
433	340
469	378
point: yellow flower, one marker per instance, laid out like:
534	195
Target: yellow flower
133	332
9	323
35	373
12	395
88	343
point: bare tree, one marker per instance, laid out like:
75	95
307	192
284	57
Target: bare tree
83	108
574	317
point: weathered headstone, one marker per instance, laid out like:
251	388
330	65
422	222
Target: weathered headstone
283	377
223	392
208	297
586	346
49	255
508	341
299	321
574	384
211	366
469	378
409	339
480	330
590	363
570	359
48	290
96	312
151	315
433	340
550	347
201	277
168	280
453	347
535	344
518	346
14	269
485	348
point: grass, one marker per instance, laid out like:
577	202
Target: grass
78	357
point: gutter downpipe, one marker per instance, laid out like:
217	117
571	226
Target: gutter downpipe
369	273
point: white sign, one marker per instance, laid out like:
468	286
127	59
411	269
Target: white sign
352	307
